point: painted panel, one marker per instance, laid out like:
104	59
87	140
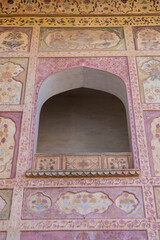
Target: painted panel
9	137
5	204
3	235
149	78
81	162
147	38
152	120
85	235
13	73
77	203
80	39
157	200
15	39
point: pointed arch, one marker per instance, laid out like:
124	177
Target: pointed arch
81	77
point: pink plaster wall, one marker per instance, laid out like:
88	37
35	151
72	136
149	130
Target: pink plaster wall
36	209
85	235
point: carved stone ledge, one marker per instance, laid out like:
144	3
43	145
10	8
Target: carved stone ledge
84	173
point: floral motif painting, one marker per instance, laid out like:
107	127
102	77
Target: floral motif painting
127	202
7	143
56	203
46	162
85	235
152	120
155	143
82	162
5	203
79	39
12	80
118	162
83	202
147	38
149	77
15	39
39	202
10	89
80	7
9	133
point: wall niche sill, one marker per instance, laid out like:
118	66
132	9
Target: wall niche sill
84	173
83	165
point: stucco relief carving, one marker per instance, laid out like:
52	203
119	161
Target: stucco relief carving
10	89
7	142
13	40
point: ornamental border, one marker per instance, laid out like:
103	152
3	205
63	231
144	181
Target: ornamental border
85	173
80	21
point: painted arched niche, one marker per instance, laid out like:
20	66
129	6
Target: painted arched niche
81	78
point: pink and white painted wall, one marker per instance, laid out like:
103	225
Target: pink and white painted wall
83	208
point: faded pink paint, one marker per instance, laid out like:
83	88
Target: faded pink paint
116	65
85	201
85	235
3	235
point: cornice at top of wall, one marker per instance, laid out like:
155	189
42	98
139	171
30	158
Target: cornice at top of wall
78	7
